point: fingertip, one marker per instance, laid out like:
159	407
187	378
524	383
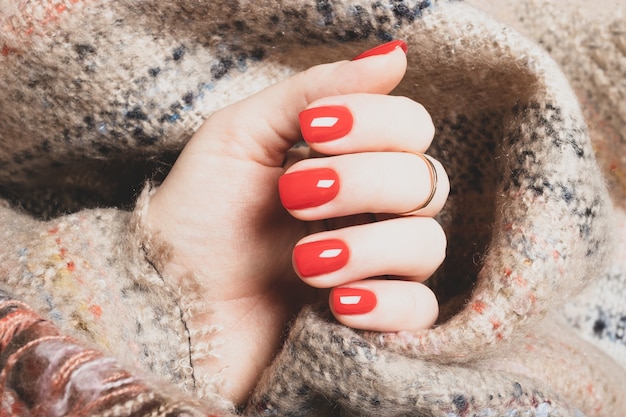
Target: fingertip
384	49
319	257
387	68
353	301
320	124
385	306
380	73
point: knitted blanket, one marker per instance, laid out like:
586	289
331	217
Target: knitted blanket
97	96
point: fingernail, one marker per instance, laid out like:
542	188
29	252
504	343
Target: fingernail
383	49
348	301
326	123
322	257
310	188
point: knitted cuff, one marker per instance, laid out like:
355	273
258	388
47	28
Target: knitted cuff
87	273
47	373
201	336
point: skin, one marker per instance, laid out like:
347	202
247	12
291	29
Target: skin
219	210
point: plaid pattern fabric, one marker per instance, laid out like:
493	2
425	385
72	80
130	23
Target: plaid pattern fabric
97	96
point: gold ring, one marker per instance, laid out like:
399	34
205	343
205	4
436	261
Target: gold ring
433	185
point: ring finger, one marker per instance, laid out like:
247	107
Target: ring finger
409	247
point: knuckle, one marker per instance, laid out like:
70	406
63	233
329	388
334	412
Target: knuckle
423	307
437	241
422	116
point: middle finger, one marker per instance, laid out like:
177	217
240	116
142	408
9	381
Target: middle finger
371	182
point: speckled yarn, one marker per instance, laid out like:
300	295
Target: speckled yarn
98	96
593	60
50	374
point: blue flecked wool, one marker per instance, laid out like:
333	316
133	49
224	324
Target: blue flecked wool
98	96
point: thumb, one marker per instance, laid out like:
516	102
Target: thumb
265	126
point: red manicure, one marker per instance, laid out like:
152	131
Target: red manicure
321	257
310	188
326	123
347	301
383	49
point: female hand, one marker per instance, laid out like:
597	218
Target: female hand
222	212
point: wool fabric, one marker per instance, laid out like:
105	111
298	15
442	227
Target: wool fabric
98	96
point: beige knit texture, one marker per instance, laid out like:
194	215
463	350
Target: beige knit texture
589	44
98	96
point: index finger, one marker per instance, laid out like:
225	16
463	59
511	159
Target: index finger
366	123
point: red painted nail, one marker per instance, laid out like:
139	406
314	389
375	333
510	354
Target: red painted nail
348	301
310	188
383	49
326	123
322	257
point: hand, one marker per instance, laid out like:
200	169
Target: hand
220	211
